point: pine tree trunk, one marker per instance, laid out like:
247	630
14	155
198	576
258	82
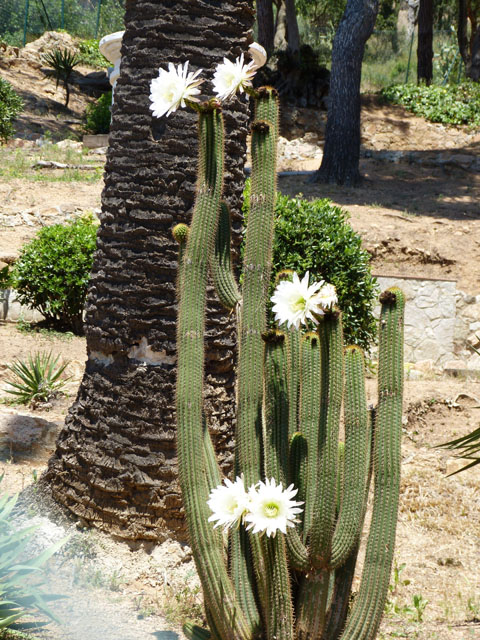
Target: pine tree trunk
115	462
266	31
473	71
469	47
341	155
425	42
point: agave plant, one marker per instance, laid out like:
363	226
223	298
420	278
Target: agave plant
63	62
36	380
20	591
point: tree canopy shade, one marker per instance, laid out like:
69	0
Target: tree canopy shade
115	461
341	156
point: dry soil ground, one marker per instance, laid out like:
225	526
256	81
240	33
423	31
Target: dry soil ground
415	219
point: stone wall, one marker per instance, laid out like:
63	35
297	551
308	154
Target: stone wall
429	317
440	323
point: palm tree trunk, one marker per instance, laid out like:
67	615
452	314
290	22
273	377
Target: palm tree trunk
115	461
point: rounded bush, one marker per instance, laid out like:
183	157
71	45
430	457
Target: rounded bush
53	270
10	106
316	236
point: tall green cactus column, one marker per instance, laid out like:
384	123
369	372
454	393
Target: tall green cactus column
368	609
193	468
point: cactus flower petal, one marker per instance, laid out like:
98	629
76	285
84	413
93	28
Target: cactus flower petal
231	77
326	298
172	88
228	503
271	508
295	301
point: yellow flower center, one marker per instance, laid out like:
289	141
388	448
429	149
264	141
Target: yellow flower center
299	304
271	510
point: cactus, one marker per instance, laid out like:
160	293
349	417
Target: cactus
290	390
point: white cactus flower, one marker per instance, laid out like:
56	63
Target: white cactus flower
228	503
230	77
326	298
172	88
295	301
258	55
271	508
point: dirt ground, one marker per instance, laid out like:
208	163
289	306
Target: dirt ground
415	219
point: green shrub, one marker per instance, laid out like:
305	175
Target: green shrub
98	114
10	106
53	270
315	236
89	54
37	379
450	104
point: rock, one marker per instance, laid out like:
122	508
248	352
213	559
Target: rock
92	82
25	432
455	366
101	151
70	144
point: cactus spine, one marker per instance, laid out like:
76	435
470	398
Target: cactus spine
290	390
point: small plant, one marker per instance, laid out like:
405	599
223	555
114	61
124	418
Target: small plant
62	61
397	580
53	270
419	604
10	106
98	114
37	380
183	602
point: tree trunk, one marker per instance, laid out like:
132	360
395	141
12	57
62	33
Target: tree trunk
473	71
462	35
341	155
469	47
425	42
266	29
293	35
115	461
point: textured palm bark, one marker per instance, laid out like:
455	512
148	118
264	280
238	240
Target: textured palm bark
115	461
341	155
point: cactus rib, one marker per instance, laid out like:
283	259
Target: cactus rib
221	263
357	459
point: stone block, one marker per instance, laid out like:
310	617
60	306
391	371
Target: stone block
26	433
12	311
